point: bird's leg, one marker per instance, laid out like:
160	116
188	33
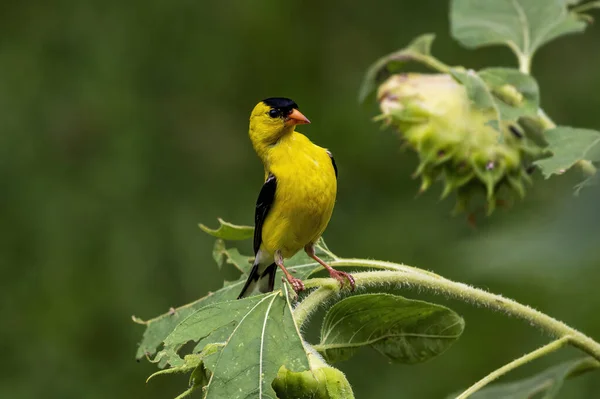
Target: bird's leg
296	283
336	274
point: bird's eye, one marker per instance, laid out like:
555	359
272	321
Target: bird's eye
274	113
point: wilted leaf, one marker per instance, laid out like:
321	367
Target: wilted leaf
522	25
229	231
261	337
419	50
403	330
158	328
569	145
547	382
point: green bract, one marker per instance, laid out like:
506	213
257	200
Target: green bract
320	382
467	146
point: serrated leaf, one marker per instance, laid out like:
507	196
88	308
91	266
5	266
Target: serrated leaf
515	94
522	25
419	50
189	363
229	231
403	330
548	382
262	337
158	328
568	146
231	256
215	322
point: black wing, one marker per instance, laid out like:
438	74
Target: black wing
263	205
332	162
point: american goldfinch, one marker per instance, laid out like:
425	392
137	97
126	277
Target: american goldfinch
296	201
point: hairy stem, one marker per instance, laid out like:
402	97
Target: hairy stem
440	285
312	302
585	7
544	350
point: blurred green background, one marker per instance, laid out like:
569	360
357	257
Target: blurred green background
124	124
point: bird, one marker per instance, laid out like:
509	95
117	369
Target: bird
296	201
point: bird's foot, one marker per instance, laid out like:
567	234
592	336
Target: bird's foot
342	277
296	284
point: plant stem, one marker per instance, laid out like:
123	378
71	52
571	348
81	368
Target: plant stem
585	7
524	59
433	63
544	350
525	64
440	285
312	301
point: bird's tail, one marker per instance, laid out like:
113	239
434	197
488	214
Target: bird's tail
261	279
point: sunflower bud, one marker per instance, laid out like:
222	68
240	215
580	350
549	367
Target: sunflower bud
456	142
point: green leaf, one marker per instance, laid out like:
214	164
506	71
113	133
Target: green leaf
477	90
403	330
522	25
479	93
229	231
507	94
547	382
569	145
261	337
419	50
194	363
516	94
231	256
158	328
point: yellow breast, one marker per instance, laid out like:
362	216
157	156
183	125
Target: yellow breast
304	198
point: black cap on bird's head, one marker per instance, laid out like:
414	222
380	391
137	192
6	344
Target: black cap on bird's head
286	109
281	103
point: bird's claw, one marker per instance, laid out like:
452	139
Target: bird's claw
296	284
341	277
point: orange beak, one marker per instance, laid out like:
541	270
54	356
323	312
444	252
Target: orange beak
296	118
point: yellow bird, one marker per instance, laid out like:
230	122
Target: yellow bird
296	201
